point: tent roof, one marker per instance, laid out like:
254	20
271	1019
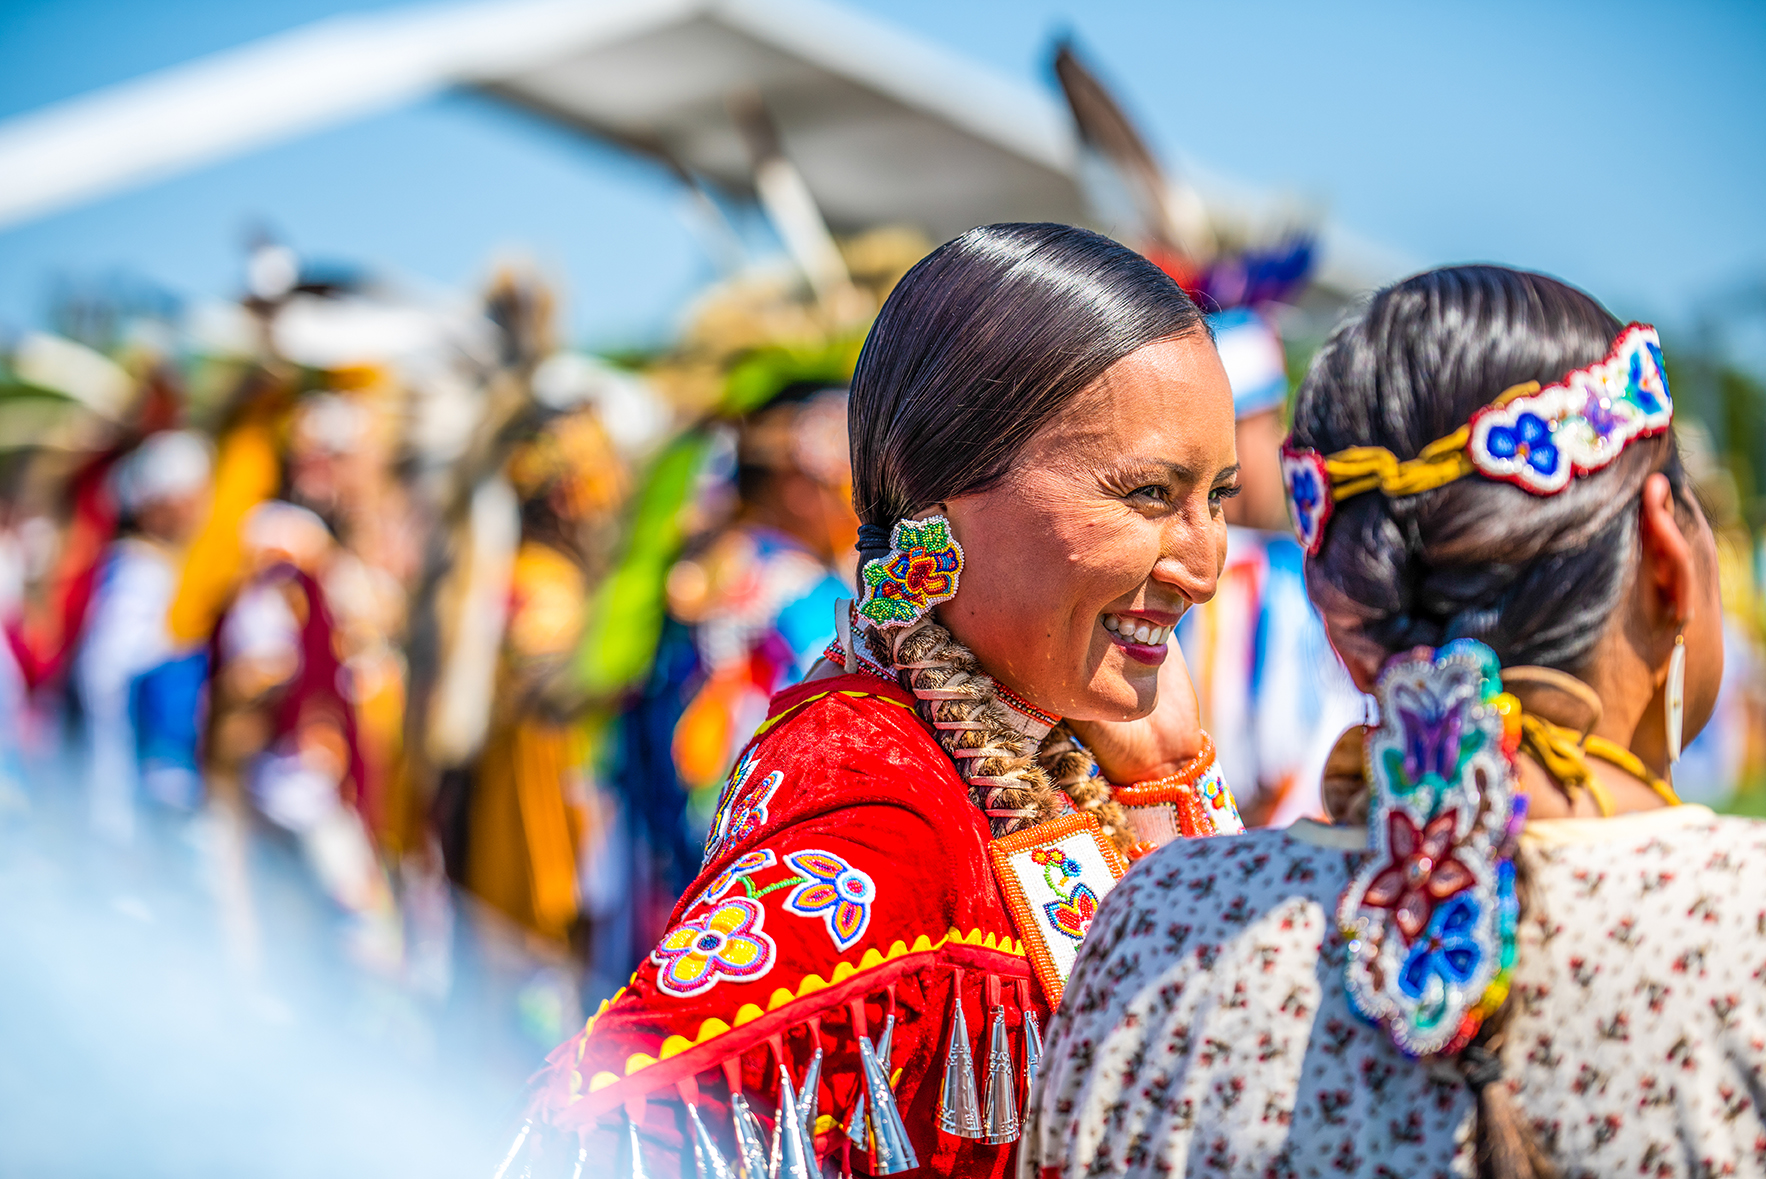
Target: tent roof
884	127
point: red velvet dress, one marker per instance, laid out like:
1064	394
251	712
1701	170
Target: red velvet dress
847	878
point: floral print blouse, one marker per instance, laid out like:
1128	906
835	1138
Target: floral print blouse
1205	1030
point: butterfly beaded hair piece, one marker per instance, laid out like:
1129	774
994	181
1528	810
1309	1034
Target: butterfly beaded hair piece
1429	920
1536	438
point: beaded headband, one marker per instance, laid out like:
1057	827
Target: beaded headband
1536	438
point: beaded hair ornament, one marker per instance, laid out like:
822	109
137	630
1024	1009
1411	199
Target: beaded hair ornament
920	571
1430	917
1536	438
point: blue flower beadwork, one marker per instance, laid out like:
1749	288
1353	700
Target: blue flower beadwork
1541	438
1309	501
1447	955
1529	440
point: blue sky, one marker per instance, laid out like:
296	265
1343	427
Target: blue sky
1619	146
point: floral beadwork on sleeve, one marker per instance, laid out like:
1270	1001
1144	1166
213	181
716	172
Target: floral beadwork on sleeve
743	865
740	812
833	890
727	942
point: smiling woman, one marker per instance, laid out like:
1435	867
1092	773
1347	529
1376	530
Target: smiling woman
916	841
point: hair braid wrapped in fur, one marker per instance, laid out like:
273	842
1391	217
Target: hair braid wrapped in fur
1073	772
1013	781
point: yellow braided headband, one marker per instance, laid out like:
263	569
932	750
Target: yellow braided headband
1535	438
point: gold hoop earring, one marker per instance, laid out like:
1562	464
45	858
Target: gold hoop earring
1674	697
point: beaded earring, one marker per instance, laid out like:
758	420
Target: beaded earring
920	571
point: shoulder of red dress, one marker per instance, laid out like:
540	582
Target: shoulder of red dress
855	685
848	701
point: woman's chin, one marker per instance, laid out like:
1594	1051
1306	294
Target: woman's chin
1113	697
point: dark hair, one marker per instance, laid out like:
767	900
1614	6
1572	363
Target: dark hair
1534	577
978	347
981	344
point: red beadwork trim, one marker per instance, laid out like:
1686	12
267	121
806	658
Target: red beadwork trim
836	654
1018	704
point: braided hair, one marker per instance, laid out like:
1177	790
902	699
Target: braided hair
979	346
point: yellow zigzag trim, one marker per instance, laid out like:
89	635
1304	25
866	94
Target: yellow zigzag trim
583	1041
772	722
811	983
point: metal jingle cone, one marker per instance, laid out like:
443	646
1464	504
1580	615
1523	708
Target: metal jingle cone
807	1097
638	1169
891	1152
582	1159
1032	1052
514	1148
959	1108
708	1160
750	1149
792	1157
885	1044
1001	1119
857	1129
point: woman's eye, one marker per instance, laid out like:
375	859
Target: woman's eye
1150	491
1222	494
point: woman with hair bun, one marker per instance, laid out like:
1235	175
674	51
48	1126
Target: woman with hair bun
902	866
1515	955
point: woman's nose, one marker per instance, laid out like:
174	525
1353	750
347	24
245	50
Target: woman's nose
1189	559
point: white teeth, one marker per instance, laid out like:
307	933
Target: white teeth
1136	630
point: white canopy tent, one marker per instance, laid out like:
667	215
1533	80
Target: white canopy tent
882	127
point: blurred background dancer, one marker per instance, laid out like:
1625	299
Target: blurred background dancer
138	694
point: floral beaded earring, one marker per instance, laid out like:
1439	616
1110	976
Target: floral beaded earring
920	571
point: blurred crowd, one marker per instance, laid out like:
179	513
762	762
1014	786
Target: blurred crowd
476	624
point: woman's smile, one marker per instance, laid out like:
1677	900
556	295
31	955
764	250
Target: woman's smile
1144	636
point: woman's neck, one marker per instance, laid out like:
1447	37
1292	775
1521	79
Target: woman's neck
1617	723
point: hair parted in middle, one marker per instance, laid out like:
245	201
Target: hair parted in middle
983	343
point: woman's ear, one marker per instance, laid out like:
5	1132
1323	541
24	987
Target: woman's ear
1667	583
